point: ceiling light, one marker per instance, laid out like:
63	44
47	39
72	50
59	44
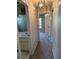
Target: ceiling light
40	5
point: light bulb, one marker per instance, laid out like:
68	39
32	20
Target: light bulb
40	5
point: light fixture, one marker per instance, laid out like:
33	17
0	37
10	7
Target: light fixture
41	5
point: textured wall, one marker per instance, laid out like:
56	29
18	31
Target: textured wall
48	24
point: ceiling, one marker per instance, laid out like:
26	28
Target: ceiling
37	1
48	4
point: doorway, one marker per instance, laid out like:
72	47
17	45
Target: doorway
45	26
44	48
22	26
41	23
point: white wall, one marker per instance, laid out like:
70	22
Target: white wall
55	41
56	30
59	33
19	48
33	19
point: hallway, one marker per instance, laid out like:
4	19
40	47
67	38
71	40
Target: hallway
42	35
44	48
